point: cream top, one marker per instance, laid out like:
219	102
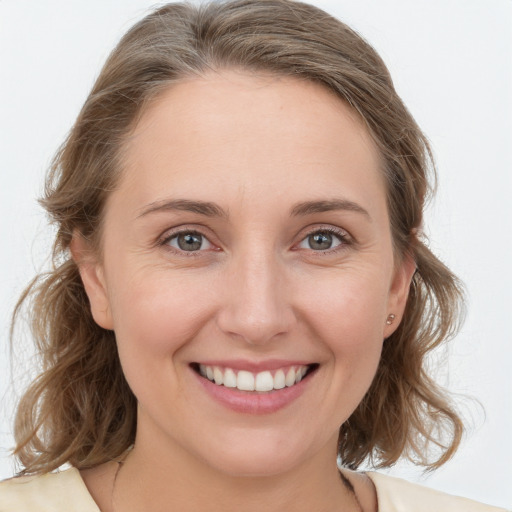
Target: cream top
65	491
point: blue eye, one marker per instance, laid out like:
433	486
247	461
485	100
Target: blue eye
321	240
189	241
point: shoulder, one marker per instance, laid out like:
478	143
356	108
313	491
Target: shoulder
397	495
63	491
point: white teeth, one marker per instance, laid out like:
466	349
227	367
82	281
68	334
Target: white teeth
229	378
290	378
279	380
248	381
300	373
264	382
217	376
245	381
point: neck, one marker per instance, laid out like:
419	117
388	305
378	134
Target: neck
151	474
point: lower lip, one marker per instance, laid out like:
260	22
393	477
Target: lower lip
254	402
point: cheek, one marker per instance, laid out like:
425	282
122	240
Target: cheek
155	314
346	316
348	309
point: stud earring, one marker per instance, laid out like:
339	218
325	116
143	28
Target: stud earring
390	319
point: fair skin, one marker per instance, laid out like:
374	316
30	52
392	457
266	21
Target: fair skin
249	232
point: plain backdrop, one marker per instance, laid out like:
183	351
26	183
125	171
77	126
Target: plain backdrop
452	64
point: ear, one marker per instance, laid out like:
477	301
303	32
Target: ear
398	293
93	278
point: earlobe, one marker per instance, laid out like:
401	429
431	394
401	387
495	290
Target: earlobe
399	293
93	279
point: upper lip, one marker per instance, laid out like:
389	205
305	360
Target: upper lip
254	366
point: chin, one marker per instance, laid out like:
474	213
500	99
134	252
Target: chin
261	455
252	465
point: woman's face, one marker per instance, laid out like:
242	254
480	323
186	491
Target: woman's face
248	240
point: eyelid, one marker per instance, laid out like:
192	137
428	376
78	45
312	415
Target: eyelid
344	236
169	234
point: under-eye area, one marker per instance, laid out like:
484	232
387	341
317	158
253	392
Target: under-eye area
264	381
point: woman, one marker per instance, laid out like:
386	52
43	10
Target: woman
241	292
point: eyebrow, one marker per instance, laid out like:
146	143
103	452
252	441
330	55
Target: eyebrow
210	209
310	207
205	208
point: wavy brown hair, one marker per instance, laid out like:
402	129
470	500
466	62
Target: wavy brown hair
80	409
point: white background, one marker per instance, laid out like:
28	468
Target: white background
452	64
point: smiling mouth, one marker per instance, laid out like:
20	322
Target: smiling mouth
262	382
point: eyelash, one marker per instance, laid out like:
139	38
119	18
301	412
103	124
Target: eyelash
167	237
343	237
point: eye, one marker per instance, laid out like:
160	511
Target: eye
323	240
189	241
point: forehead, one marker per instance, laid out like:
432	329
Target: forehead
233	129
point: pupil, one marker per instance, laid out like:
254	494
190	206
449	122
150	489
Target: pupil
320	241
189	242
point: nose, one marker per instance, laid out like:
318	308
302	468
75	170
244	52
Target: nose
256	305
